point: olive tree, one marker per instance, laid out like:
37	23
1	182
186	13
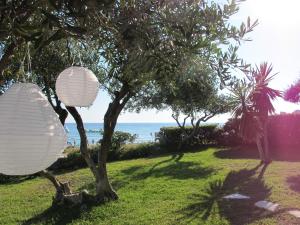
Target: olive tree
143	46
193	96
146	47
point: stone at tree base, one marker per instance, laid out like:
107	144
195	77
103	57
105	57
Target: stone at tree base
295	213
236	196
267	205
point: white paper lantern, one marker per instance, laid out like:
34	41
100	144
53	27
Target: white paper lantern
77	86
31	135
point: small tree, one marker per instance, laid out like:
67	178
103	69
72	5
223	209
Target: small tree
253	104
193	95
48	64
146	44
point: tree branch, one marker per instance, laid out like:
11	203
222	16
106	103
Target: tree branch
5	59
83	141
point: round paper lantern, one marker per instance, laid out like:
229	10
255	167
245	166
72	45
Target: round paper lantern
31	135
77	86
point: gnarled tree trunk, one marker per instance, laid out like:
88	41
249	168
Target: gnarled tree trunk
83	142
62	188
104	189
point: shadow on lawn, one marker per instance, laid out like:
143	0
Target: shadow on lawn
210	204
6	180
172	168
294	183
59	215
289	155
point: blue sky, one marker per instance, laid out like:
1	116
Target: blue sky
276	40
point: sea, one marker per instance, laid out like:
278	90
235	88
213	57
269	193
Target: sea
145	131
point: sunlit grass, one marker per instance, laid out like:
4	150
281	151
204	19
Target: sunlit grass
173	189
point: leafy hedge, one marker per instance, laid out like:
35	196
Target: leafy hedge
228	135
283	132
171	136
74	159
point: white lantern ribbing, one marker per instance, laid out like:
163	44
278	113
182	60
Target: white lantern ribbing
31	135
77	86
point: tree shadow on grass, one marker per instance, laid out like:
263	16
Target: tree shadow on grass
237	153
134	173
277	154
294	183
210	203
6	180
179	170
176	157
59	215
172	168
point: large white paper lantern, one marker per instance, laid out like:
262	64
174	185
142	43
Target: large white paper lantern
31	135
77	86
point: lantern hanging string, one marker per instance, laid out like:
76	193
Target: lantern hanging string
22	69
79	54
29	68
27	57
72	55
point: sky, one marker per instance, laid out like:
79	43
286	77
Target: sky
275	40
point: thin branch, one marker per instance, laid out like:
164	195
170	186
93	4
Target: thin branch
184	121
5	59
177	120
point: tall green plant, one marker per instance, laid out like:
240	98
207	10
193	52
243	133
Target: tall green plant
252	100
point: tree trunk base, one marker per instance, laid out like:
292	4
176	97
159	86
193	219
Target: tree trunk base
105	192
73	199
266	161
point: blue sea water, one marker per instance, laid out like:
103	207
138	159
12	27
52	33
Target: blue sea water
145	131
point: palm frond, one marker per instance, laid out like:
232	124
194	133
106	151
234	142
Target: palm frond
262	95
252	101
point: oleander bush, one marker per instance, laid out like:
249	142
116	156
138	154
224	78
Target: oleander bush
283	132
228	134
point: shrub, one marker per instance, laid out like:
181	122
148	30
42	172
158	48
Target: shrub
74	159
139	150
228	135
283	132
119	139
171	136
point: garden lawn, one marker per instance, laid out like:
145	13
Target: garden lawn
173	189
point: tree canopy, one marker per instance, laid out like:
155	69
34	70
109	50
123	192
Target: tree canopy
146	54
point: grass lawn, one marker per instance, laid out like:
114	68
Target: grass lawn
173	189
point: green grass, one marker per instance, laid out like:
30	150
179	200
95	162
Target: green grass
173	189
